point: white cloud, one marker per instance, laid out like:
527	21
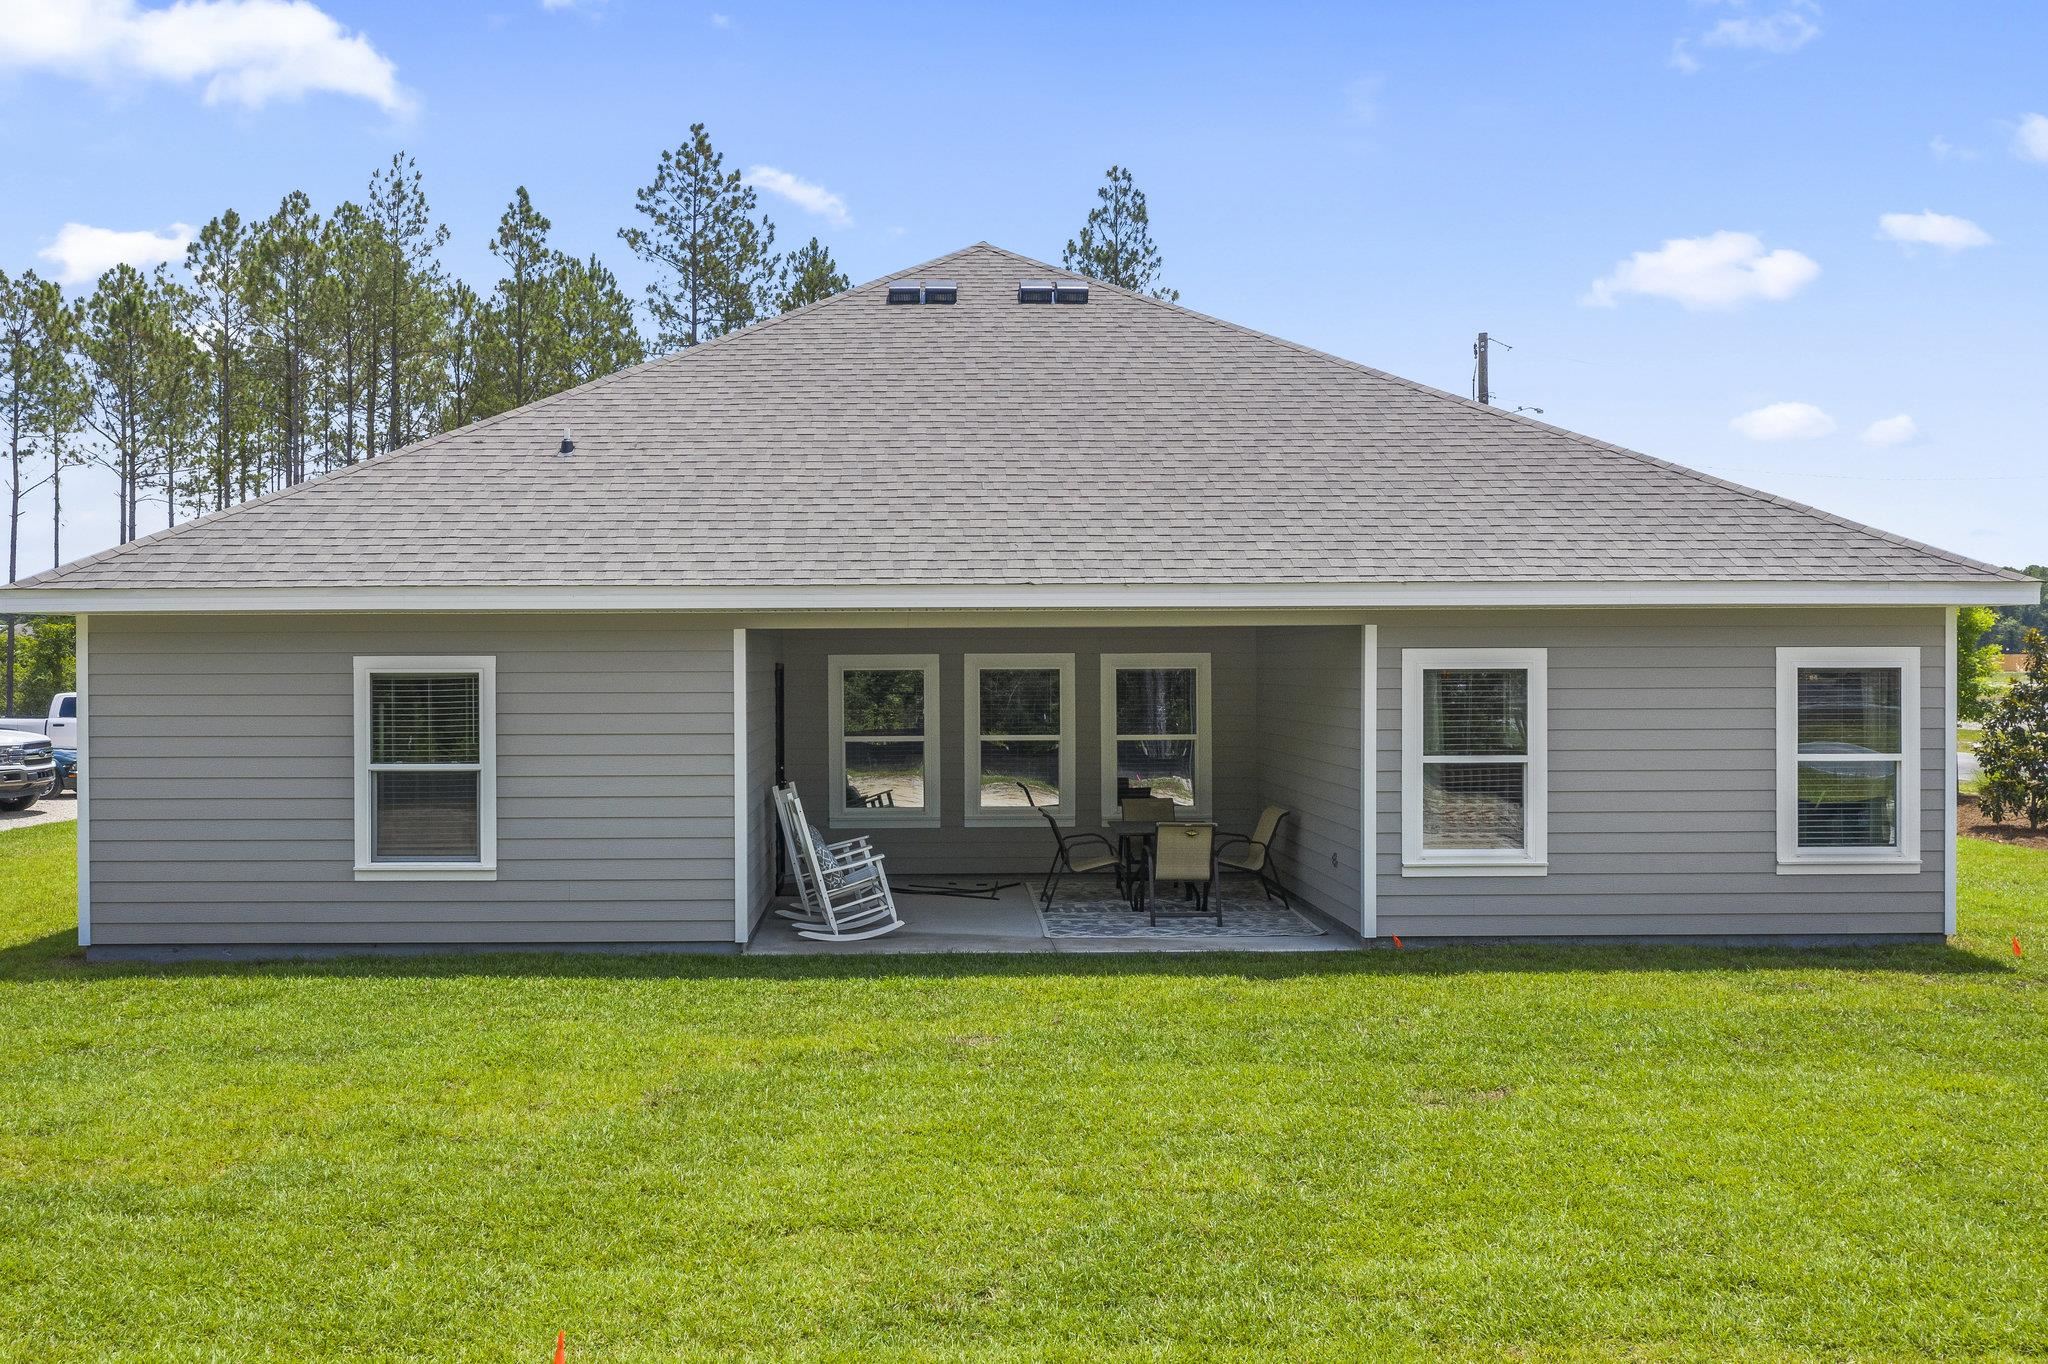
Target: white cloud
1945	150
82	254
1362	99
1944	230
1720	270
1785	421
1891	430
805	195
1783	30
721	20
2030	140
1778	32
246	52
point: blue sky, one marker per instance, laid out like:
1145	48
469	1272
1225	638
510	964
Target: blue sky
1735	235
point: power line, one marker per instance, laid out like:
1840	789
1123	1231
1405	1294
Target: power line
1866	478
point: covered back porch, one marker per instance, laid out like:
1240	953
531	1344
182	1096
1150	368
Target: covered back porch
965	753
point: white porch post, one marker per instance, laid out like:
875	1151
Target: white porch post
742	834
84	780
1953	777
1368	779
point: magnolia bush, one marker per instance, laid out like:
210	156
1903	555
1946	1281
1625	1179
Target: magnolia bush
2013	754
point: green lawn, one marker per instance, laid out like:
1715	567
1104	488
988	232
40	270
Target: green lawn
1490	1153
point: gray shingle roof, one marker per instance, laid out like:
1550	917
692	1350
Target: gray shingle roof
1127	441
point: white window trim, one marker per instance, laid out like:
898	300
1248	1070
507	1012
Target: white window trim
836	814
1204	735
1901	859
975	665
485	868
1532	859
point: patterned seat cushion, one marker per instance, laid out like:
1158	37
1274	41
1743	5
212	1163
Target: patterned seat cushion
836	880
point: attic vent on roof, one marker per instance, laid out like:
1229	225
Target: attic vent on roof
1070	291
941	291
906	291
1034	291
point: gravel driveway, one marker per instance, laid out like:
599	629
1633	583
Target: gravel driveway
48	810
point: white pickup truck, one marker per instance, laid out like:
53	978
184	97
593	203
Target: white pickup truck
60	726
30	765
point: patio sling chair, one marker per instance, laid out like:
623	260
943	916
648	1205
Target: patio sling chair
1140	809
1185	853
1074	853
844	893
1255	856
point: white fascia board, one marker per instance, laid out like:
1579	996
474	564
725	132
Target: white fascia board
954	597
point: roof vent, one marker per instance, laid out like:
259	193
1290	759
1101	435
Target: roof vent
568	443
1034	291
941	291
1070	291
906	291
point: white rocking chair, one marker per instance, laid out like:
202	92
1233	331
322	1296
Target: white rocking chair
842	889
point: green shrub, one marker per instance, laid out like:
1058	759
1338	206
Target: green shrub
2013	754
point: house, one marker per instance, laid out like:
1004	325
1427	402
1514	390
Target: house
529	682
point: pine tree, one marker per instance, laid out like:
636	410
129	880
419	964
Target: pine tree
593	332
522	243
59	396
1115	245
122	331
350	244
808	274
285	266
2013	754
719	260
467	322
179	378
409	290
17	387
218	263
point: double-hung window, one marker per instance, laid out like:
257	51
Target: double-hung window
426	768
1848	759
1474	762
1020	737
1155	728
885	739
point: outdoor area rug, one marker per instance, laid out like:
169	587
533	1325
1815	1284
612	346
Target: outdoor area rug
1086	910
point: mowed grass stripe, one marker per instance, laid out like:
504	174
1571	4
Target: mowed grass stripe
1642	1153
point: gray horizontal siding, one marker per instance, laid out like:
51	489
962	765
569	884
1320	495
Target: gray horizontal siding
1308	720
222	783
1663	779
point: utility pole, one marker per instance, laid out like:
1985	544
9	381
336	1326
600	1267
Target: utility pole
1481	388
